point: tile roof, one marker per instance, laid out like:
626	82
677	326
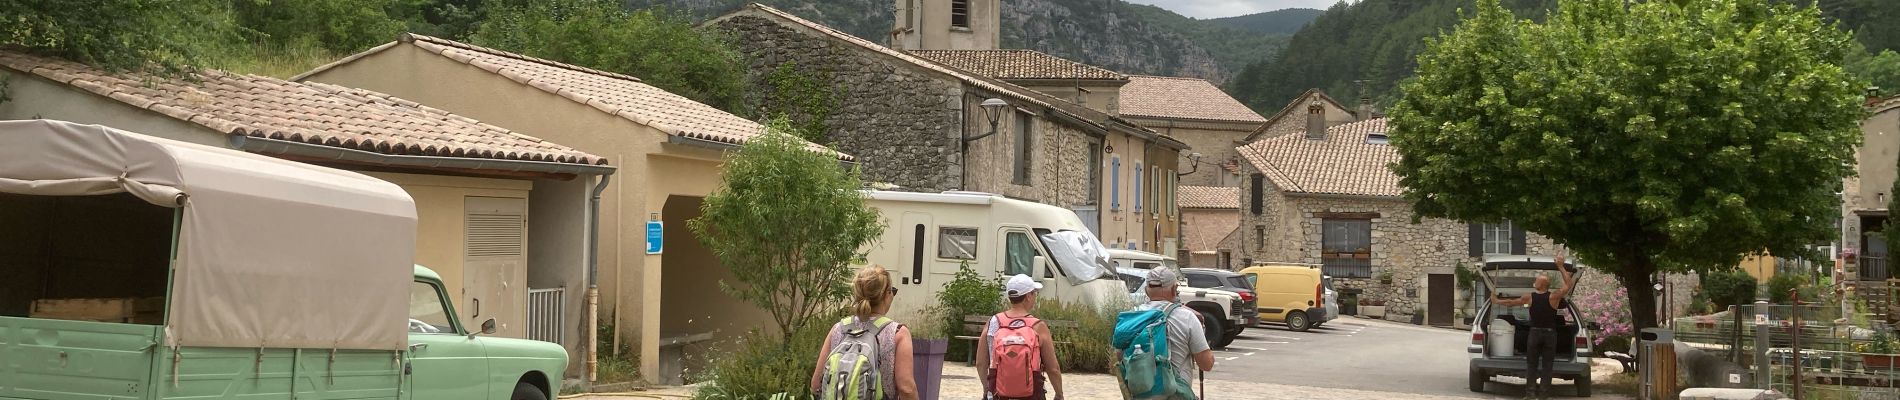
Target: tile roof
1217	197
1273	127
616	94
1206	229
1098	119
1182	98
1018	64
313	113
1342	163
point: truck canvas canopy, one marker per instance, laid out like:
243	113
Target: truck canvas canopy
269	253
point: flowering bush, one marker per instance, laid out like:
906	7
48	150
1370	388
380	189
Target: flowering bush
1608	309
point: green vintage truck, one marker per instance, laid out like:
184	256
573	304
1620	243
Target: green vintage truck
133	267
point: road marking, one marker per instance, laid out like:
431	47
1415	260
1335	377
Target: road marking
1274	343
1229	358
1248	354
1281	337
1248	348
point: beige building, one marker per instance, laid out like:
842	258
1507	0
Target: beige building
1196	112
502	216
1209	214
1327	197
1086	85
947	25
1293	117
920	125
1866	195
669	149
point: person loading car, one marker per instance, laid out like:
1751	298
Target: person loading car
1544	323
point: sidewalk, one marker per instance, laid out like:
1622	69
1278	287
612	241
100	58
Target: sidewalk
959	382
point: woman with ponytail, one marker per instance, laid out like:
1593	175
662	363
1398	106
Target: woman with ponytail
871	297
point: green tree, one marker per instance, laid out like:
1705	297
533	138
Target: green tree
788	222
803	97
1660	136
1882	69
662	50
339	26
169	36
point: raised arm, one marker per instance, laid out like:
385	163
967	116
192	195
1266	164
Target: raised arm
1556	299
1521	300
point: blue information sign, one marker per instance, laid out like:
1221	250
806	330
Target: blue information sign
656	237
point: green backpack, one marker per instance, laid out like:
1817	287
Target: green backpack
1142	337
851	370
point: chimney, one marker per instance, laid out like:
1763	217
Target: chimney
1365	108
1315	121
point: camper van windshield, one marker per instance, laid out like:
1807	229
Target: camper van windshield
1078	253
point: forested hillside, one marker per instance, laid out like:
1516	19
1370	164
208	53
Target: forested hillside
1284	22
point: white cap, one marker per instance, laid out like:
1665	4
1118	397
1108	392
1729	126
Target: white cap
1162	277
1020	285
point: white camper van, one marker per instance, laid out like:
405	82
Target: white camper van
928	236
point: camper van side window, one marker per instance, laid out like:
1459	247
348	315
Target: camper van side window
1021	256
956	243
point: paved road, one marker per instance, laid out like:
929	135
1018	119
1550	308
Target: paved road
1358	354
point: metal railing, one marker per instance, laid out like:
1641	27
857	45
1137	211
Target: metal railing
1874	268
1825	355
545	316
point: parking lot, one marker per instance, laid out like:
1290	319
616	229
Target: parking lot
1360	354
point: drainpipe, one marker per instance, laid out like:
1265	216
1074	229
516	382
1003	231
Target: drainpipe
593	280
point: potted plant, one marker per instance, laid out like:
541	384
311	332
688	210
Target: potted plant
1878	352
1385	277
927	347
1372	308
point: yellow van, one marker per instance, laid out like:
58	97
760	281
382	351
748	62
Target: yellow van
1291	293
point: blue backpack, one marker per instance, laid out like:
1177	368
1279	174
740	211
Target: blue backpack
1142	337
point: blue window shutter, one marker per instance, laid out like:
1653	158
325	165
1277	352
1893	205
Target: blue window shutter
1115	184
1139	171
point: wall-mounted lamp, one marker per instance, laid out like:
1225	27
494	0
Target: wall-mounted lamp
992	110
1194	164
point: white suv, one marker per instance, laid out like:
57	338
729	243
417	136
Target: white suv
1220	310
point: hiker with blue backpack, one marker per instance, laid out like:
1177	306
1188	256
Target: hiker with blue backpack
1017	352
867	355
1163	344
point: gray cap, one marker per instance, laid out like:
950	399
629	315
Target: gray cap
1163	277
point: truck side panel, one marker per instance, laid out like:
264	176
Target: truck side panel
233	373
45	359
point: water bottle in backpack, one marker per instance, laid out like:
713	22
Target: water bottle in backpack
1015	356
852	371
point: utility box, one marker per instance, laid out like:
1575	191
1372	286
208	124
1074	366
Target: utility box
1658	358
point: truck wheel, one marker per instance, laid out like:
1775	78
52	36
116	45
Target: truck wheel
1477	380
1215	329
1583	386
1227	339
525	391
1296	321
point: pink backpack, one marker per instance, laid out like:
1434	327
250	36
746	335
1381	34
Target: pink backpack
1015	355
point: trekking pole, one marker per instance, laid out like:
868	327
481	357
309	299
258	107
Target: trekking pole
1203	385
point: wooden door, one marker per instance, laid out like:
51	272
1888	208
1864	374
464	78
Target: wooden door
1439	297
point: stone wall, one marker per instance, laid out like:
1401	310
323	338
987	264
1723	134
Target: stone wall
1059	167
1215	141
900	120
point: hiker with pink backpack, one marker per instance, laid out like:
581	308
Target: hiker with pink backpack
1016	353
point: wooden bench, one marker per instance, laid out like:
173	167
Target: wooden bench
973	329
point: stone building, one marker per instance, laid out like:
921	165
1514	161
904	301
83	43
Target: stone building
919	124
1196	112
1866	195
1209	214
1325	196
946	25
1292	118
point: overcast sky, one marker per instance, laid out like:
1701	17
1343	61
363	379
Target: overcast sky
1204	9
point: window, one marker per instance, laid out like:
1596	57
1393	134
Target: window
1203	281
956	243
1139	171
1253	280
1095	173
960	14
1257	190
1378	138
1154	190
1497	238
1146	264
1226	259
910	12
917	252
1024	139
1134	282
426	314
1346	247
1259	237
1022	255
1115	183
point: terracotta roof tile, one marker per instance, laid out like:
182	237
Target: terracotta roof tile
312	113
1217	197
616	94
1206	229
1182	98
1342	163
1018	64
1274	127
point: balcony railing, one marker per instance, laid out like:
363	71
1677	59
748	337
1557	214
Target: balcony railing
1874	268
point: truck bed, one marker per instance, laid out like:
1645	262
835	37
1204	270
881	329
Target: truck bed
72	360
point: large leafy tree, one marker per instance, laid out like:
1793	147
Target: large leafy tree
1659	136
663	50
150	35
788	221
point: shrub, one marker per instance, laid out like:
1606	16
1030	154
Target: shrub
969	293
1724	289
761	365
1086	348
1608	310
1780	285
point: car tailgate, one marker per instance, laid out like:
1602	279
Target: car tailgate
47	359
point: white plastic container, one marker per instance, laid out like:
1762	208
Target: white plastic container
1501	338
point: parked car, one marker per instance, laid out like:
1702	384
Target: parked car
1224	280
1124	258
1331	303
225	279
1222	312
1497	345
1294	294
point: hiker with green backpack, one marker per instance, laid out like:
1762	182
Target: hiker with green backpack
1163	344
867	356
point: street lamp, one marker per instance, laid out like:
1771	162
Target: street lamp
1194	164
993	110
